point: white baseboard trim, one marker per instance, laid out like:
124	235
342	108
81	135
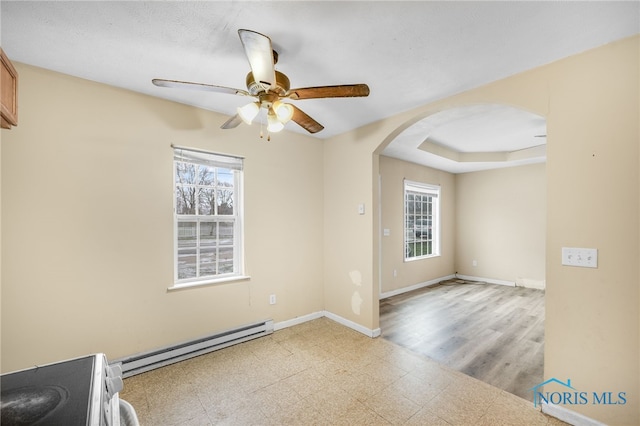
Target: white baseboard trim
298	320
387	294
486	280
352	325
337	318
568	416
375	333
531	283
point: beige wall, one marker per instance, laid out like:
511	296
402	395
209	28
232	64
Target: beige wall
87	224
501	224
592	321
592	315
393	172
495	217
349	236
599	356
592	173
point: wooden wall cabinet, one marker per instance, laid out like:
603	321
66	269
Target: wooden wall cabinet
8	93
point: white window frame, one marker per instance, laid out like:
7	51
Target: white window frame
409	218
217	161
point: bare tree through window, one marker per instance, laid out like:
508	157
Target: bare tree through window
207	221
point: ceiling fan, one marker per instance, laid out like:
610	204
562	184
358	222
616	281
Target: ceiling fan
270	88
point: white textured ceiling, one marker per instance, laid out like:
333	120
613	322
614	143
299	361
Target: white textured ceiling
409	53
472	138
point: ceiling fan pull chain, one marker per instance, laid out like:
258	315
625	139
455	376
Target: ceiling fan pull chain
261	133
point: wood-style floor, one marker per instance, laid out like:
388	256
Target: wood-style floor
491	332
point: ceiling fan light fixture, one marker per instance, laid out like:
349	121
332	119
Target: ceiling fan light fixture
273	124
248	112
283	111
269	86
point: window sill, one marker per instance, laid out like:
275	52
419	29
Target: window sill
430	256
210	282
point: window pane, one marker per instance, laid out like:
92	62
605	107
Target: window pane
186	263
410	204
206	201
425	206
207	261
225	260
185	199
206	175
425	248
225	233
185	173
187	234
225	178
225	201
208	234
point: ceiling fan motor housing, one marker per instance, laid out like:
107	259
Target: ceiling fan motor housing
281	86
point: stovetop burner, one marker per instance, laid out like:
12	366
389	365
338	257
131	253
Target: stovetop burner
55	394
31	404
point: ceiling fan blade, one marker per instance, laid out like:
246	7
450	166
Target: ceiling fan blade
260	55
232	123
198	86
305	121
342	91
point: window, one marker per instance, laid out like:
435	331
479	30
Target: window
207	217
421	220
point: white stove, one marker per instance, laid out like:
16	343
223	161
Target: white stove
77	392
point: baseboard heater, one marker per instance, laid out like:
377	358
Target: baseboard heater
147	361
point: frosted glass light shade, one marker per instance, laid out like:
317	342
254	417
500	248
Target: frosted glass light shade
248	112
283	111
274	125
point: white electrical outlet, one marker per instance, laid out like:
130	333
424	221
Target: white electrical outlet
272	299
582	257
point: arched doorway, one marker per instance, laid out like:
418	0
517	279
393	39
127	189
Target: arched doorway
487	159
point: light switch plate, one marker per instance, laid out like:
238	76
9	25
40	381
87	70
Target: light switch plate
581	257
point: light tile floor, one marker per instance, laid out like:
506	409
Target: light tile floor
320	373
